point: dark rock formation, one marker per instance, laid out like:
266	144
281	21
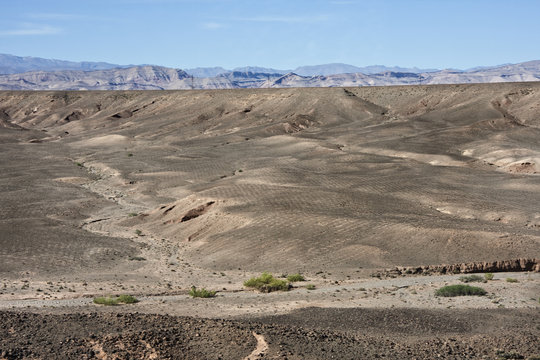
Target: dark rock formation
464	268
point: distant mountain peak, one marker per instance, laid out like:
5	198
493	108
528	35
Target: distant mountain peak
11	64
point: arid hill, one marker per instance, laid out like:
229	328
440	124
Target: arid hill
277	179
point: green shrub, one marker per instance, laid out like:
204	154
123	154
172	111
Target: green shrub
132	214
127	299
111	301
106	300
201	293
267	283
488	276
511	280
295	278
460	290
138	232
310	287
472	278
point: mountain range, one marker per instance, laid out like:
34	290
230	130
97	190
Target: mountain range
10	64
31	73
308	70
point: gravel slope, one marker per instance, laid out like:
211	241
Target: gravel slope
313	333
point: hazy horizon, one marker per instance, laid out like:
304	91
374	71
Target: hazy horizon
274	34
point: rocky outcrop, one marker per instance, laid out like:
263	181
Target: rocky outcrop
464	268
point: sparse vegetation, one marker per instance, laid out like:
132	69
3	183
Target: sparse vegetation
295	278
138	232
127	299
112	301
201	293
472	278
310	287
132	214
460	290
488	276
79	164
267	283
106	300
130	155
511	280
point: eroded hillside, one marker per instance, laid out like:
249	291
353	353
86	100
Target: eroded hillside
332	179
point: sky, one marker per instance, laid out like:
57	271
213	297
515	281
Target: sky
281	34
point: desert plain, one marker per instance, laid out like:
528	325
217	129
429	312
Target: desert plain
364	191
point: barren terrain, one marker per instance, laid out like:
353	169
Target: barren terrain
151	192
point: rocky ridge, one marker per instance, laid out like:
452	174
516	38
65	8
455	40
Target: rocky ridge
464	268
162	78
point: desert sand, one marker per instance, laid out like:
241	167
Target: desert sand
150	192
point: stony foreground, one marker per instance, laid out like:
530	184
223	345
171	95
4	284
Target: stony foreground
311	333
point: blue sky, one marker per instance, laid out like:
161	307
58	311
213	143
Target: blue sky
274	33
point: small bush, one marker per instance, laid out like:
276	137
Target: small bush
138	232
108	301
132	214
127	299
460	290
511	280
310	287
472	278
201	293
295	278
488	276
112	301
267	283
